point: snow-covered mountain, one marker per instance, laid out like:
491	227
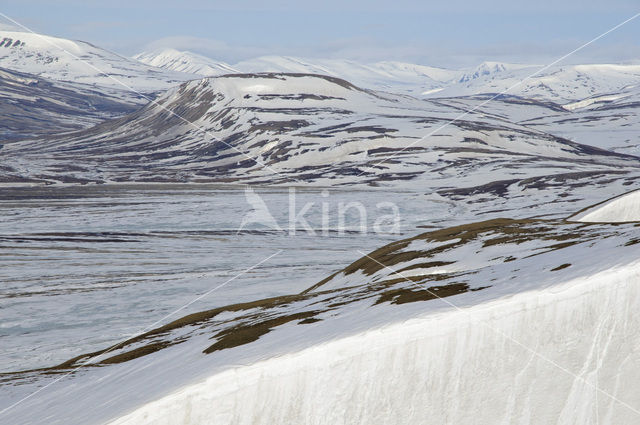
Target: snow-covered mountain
282	129
80	62
387	76
184	61
609	120
52	85
75	61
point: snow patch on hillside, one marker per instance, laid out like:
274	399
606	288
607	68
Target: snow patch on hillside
593	100
621	209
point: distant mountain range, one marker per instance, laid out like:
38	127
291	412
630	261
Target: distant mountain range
562	84
152	72
282	120
391	76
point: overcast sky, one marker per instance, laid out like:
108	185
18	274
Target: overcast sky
451	33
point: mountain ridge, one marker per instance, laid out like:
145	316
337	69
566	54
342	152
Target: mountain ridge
527	80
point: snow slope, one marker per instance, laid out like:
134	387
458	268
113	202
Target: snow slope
499	321
620	209
32	105
484	365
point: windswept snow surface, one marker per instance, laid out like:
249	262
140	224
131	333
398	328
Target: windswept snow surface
619	209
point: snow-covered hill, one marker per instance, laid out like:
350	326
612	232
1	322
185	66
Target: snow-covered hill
609	120
80	62
286	128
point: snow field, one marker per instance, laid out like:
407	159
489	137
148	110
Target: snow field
565	355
